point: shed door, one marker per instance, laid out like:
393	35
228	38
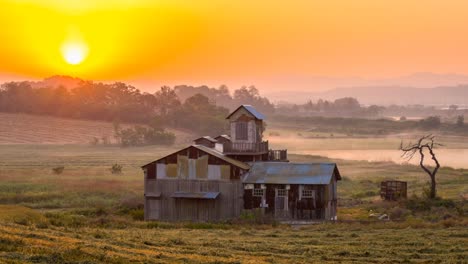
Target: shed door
281	203
154	206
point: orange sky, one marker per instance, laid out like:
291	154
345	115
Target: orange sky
233	41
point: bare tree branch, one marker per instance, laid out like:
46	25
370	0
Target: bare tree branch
425	142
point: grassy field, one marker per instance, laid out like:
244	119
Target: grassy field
86	214
33	129
344	243
89	214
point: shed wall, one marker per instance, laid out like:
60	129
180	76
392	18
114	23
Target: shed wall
227	205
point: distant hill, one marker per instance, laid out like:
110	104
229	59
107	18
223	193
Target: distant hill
385	95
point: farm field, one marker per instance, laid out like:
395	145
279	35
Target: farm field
89	214
344	243
86	213
33	129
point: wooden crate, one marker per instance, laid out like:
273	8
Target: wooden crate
393	190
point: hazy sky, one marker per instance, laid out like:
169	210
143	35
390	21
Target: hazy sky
231	41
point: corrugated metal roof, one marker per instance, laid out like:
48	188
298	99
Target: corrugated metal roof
290	173
207	138
195	195
251	110
220	155
223	136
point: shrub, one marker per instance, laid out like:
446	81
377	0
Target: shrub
141	136
137	214
116	169
58	170
431	122
398	213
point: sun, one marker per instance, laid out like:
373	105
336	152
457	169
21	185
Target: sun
74	53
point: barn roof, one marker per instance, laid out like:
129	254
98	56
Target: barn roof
223	136
212	152
291	173
249	109
207	138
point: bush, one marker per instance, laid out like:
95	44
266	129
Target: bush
58	170
431	122
116	169
141	136
137	214
398	213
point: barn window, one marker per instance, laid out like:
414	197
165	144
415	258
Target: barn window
308	193
241	131
282	193
258	192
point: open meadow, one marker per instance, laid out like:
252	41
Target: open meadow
86	213
83	213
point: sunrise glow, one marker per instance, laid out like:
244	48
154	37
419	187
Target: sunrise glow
74	53
227	42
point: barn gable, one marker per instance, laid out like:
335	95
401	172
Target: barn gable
196	162
248	110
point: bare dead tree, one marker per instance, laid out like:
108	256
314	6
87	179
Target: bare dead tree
424	143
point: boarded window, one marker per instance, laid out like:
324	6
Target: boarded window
258	192
202	167
171	170
182	167
225	172
241	131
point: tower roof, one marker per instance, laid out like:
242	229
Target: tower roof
249	109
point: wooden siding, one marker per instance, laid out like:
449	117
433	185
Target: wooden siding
254	127
227	205
192	163
293	206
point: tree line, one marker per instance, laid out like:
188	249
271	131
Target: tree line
122	103
343	107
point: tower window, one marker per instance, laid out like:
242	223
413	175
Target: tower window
241	131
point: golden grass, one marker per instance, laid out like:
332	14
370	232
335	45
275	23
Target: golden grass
35	129
345	243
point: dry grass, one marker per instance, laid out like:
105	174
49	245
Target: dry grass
87	214
32	129
344	243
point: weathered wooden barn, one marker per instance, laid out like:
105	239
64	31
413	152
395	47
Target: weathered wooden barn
217	178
